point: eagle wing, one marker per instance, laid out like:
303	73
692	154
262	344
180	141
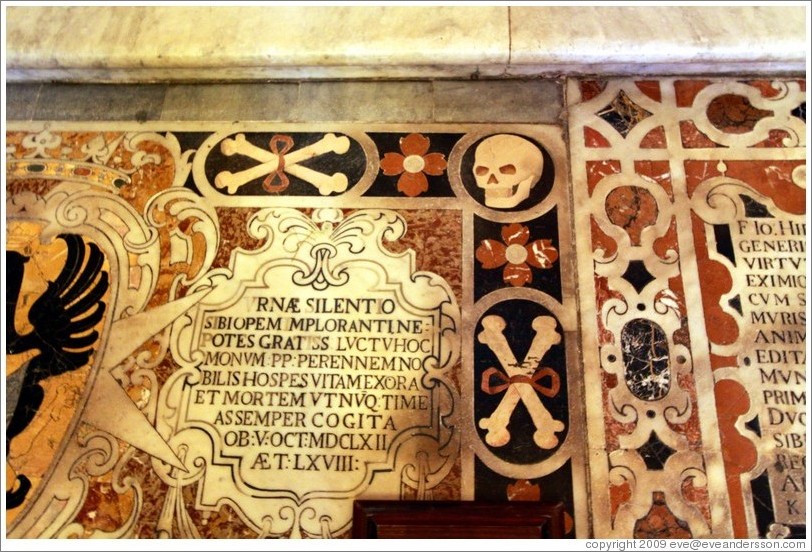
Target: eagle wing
63	319
64	316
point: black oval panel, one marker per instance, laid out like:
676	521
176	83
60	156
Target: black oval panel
518	315
645	356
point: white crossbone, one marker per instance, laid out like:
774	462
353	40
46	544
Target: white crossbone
269	163
546	427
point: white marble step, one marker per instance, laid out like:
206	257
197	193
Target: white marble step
266	41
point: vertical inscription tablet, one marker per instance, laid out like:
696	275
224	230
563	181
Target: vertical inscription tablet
772	253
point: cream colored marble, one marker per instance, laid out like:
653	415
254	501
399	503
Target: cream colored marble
252	42
181	43
635	40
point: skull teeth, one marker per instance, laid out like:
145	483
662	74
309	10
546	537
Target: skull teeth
502	191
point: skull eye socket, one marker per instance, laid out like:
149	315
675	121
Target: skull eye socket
481	171
507	169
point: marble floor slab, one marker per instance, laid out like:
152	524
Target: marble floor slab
237	329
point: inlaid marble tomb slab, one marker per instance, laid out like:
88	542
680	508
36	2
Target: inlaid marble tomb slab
690	224
236	330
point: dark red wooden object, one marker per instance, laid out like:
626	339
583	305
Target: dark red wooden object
392	519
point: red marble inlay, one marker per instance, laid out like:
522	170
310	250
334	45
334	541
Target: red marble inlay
733	402
613	428
690	429
659	171
692	137
739	453
721	327
660	522
719	361
233	233
650	88
667	242
524	490
775	139
601	241
603	294
686	91
773	179
734	114
618	496
435	237
591	88
597	170
104	509
696	172
698	496
765	87
654	139
594	139
632	208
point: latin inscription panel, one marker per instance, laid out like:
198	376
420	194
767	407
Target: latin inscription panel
771	254
314	360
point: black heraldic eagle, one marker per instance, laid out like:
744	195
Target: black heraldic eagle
63	318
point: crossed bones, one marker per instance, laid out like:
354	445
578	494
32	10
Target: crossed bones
275	163
521	386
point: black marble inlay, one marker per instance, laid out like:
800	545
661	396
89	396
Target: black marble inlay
754	209
736	303
623	114
645	356
389	142
63	318
724	243
655	453
800	111
547	280
538	192
754	425
352	164
191	141
765	511
638	275
518	316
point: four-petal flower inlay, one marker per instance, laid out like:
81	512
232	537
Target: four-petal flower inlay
516	254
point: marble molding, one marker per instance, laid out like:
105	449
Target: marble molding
235	330
282	42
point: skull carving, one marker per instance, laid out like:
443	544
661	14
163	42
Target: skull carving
506	167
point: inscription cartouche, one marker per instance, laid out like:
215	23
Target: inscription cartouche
314	363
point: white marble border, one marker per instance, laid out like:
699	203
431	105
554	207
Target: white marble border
181	44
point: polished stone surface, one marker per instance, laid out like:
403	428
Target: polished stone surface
234	329
407	101
229	102
223	43
640	40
